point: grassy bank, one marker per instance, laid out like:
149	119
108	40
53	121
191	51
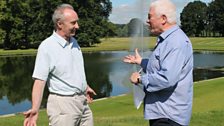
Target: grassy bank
208	109
114	44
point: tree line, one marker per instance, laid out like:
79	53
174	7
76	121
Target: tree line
197	19
201	20
25	23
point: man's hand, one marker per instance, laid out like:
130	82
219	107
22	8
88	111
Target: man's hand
89	93
134	77
30	118
136	59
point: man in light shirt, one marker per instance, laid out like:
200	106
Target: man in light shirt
59	64
167	77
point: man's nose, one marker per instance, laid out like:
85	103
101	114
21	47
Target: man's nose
148	22
77	26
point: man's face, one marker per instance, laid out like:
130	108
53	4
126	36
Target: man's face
154	22
69	24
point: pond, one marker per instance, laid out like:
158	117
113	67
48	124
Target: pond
105	71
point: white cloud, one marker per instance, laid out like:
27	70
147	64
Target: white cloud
123	13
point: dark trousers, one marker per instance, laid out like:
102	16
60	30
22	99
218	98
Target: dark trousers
163	122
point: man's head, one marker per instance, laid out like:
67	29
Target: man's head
161	16
65	20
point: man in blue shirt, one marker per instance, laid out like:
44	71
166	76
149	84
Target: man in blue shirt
59	63
167	78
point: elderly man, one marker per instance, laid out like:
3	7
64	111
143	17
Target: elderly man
59	63
167	78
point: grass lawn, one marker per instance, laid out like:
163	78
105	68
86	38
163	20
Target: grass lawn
208	44
17	52
208	109
114	44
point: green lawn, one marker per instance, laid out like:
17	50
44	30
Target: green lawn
113	44
208	109
17	52
206	44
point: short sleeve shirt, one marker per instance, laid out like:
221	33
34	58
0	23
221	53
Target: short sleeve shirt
60	64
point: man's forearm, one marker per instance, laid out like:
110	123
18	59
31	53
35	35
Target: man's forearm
37	94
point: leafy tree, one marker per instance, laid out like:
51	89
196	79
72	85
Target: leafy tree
122	30
216	16
26	23
193	18
22	22
93	16
111	31
2	32
9	21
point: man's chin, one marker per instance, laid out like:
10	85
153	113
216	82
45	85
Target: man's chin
72	34
153	32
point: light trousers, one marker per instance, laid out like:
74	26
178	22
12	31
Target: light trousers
69	111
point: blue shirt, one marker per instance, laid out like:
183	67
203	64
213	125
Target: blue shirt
168	79
60	64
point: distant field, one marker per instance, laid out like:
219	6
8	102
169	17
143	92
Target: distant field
199	44
208	109
117	44
208	44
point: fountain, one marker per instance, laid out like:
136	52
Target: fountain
138	31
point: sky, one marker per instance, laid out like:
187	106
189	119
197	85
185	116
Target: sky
124	10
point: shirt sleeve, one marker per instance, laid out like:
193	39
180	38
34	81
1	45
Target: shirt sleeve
41	69
143	64
168	72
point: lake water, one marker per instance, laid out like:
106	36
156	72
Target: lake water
105	71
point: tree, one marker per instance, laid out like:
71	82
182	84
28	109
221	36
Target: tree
111	30
23	22
193	18
9	21
93	16
216	16
122	30
26	23
2	32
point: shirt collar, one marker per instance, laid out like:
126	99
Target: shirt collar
61	40
165	34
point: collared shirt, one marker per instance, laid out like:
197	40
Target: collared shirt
168	79
60	64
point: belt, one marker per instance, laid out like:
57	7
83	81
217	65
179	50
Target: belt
76	93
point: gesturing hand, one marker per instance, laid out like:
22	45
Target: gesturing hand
133	59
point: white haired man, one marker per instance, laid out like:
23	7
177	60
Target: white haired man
167	78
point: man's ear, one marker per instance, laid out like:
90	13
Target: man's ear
164	19
59	24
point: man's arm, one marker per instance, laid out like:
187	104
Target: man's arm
37	94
